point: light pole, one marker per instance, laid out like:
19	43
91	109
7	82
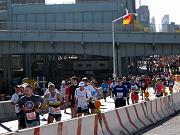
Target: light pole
113	40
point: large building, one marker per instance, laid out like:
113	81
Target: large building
172	27
57	63
143	16
165	23
153	24
4	3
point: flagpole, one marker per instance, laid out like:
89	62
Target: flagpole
114	53
113	41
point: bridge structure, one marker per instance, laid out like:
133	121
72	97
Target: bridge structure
79	29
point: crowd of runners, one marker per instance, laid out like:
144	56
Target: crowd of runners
80	95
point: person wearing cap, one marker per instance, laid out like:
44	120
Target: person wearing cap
82	99
120	92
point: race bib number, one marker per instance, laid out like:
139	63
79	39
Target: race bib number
31	116
56	110
119	95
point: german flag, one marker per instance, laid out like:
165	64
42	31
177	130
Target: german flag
127	19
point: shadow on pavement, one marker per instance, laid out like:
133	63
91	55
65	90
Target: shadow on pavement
6	128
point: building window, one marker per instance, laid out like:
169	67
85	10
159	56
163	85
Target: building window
79	65
102	64
88	65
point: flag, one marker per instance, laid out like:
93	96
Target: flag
127	19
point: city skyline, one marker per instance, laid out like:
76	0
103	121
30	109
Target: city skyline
157	8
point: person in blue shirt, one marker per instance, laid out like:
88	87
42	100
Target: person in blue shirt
120	92
128	86
104	88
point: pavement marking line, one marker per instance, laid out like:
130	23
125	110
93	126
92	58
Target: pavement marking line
138	116
145	113
106	125
96	125
120	122
130	118
6	128
79	126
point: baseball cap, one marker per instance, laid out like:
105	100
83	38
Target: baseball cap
81	84
63	82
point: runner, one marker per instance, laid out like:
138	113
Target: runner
38	90
109	84
171	84
87	86
73	87
47	90
54	100
159	88
128	86
82	99
120	92
62	88
62	91
22	114
31	104
94	94
134	90
14	102
112	85
144	84
104	88
67	91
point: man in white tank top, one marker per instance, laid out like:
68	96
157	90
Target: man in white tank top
54	100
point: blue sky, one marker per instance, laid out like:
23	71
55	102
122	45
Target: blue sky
158	8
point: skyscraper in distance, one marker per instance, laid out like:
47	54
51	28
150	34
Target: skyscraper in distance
153	24
165	23
143	16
